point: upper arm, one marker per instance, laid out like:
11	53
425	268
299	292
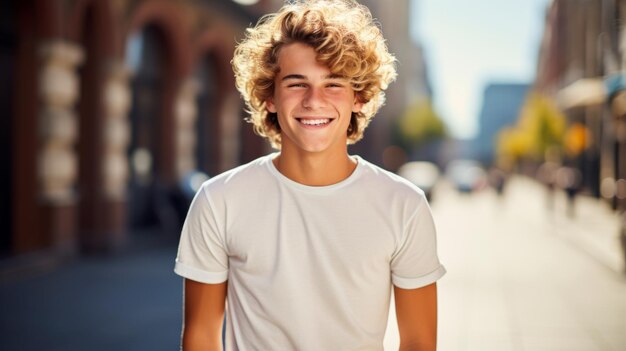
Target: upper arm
202	250
416	312
203	315
414	262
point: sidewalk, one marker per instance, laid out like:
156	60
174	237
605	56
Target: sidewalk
127	302
521	278
594	228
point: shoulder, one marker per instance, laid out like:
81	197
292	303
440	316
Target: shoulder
388	182
239	179
390	194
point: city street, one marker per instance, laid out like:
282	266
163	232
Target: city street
519	278
116	112
522	278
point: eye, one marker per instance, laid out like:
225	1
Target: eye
334	85
297	85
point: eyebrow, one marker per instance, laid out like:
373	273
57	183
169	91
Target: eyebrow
293	76
300	76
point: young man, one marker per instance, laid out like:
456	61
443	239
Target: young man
306	244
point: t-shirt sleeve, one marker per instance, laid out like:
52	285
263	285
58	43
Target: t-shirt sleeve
415	262
202	254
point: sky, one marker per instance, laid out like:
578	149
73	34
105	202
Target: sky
468	44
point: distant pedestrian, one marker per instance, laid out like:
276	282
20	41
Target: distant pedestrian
497	179
306	243
547	175
570	180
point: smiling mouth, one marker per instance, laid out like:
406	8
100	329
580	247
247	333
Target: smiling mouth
314	122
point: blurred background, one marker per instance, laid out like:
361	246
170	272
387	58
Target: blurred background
510	115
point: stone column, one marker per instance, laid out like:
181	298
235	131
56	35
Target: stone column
186	114
116	102
57	160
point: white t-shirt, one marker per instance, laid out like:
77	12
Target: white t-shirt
308	268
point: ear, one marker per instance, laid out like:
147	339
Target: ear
357	105
269	105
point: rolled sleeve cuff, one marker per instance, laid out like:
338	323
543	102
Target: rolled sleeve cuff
200	275
414	283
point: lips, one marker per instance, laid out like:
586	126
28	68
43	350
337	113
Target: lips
315	122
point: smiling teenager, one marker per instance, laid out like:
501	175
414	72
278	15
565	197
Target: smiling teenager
305	245
313	108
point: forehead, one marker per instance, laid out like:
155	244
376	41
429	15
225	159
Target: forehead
300	59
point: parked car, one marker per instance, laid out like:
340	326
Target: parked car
466	175
421	173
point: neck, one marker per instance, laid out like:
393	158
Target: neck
314	169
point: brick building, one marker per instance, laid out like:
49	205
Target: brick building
107	106
582	65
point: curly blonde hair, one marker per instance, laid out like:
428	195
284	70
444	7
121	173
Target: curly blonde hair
345	39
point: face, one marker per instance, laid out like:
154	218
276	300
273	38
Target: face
313	106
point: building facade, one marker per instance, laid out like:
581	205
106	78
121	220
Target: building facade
582	65
107	107
501	107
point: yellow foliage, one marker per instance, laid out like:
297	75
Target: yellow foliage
514	143
540	127
420	123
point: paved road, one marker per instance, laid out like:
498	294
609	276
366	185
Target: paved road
524	279
517	280
131	302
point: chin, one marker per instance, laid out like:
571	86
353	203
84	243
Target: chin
314	150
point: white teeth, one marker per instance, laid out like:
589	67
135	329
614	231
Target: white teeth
315	122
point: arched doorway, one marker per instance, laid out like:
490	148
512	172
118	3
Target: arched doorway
8	49
208	124
148	208
91	222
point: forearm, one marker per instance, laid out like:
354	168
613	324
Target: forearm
417	346
419	336
203	316
416	312
199	340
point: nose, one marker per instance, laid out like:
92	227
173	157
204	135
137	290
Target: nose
313	99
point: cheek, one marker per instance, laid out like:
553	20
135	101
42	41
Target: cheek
288	101
348	105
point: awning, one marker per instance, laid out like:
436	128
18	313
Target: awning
583	92
591	91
